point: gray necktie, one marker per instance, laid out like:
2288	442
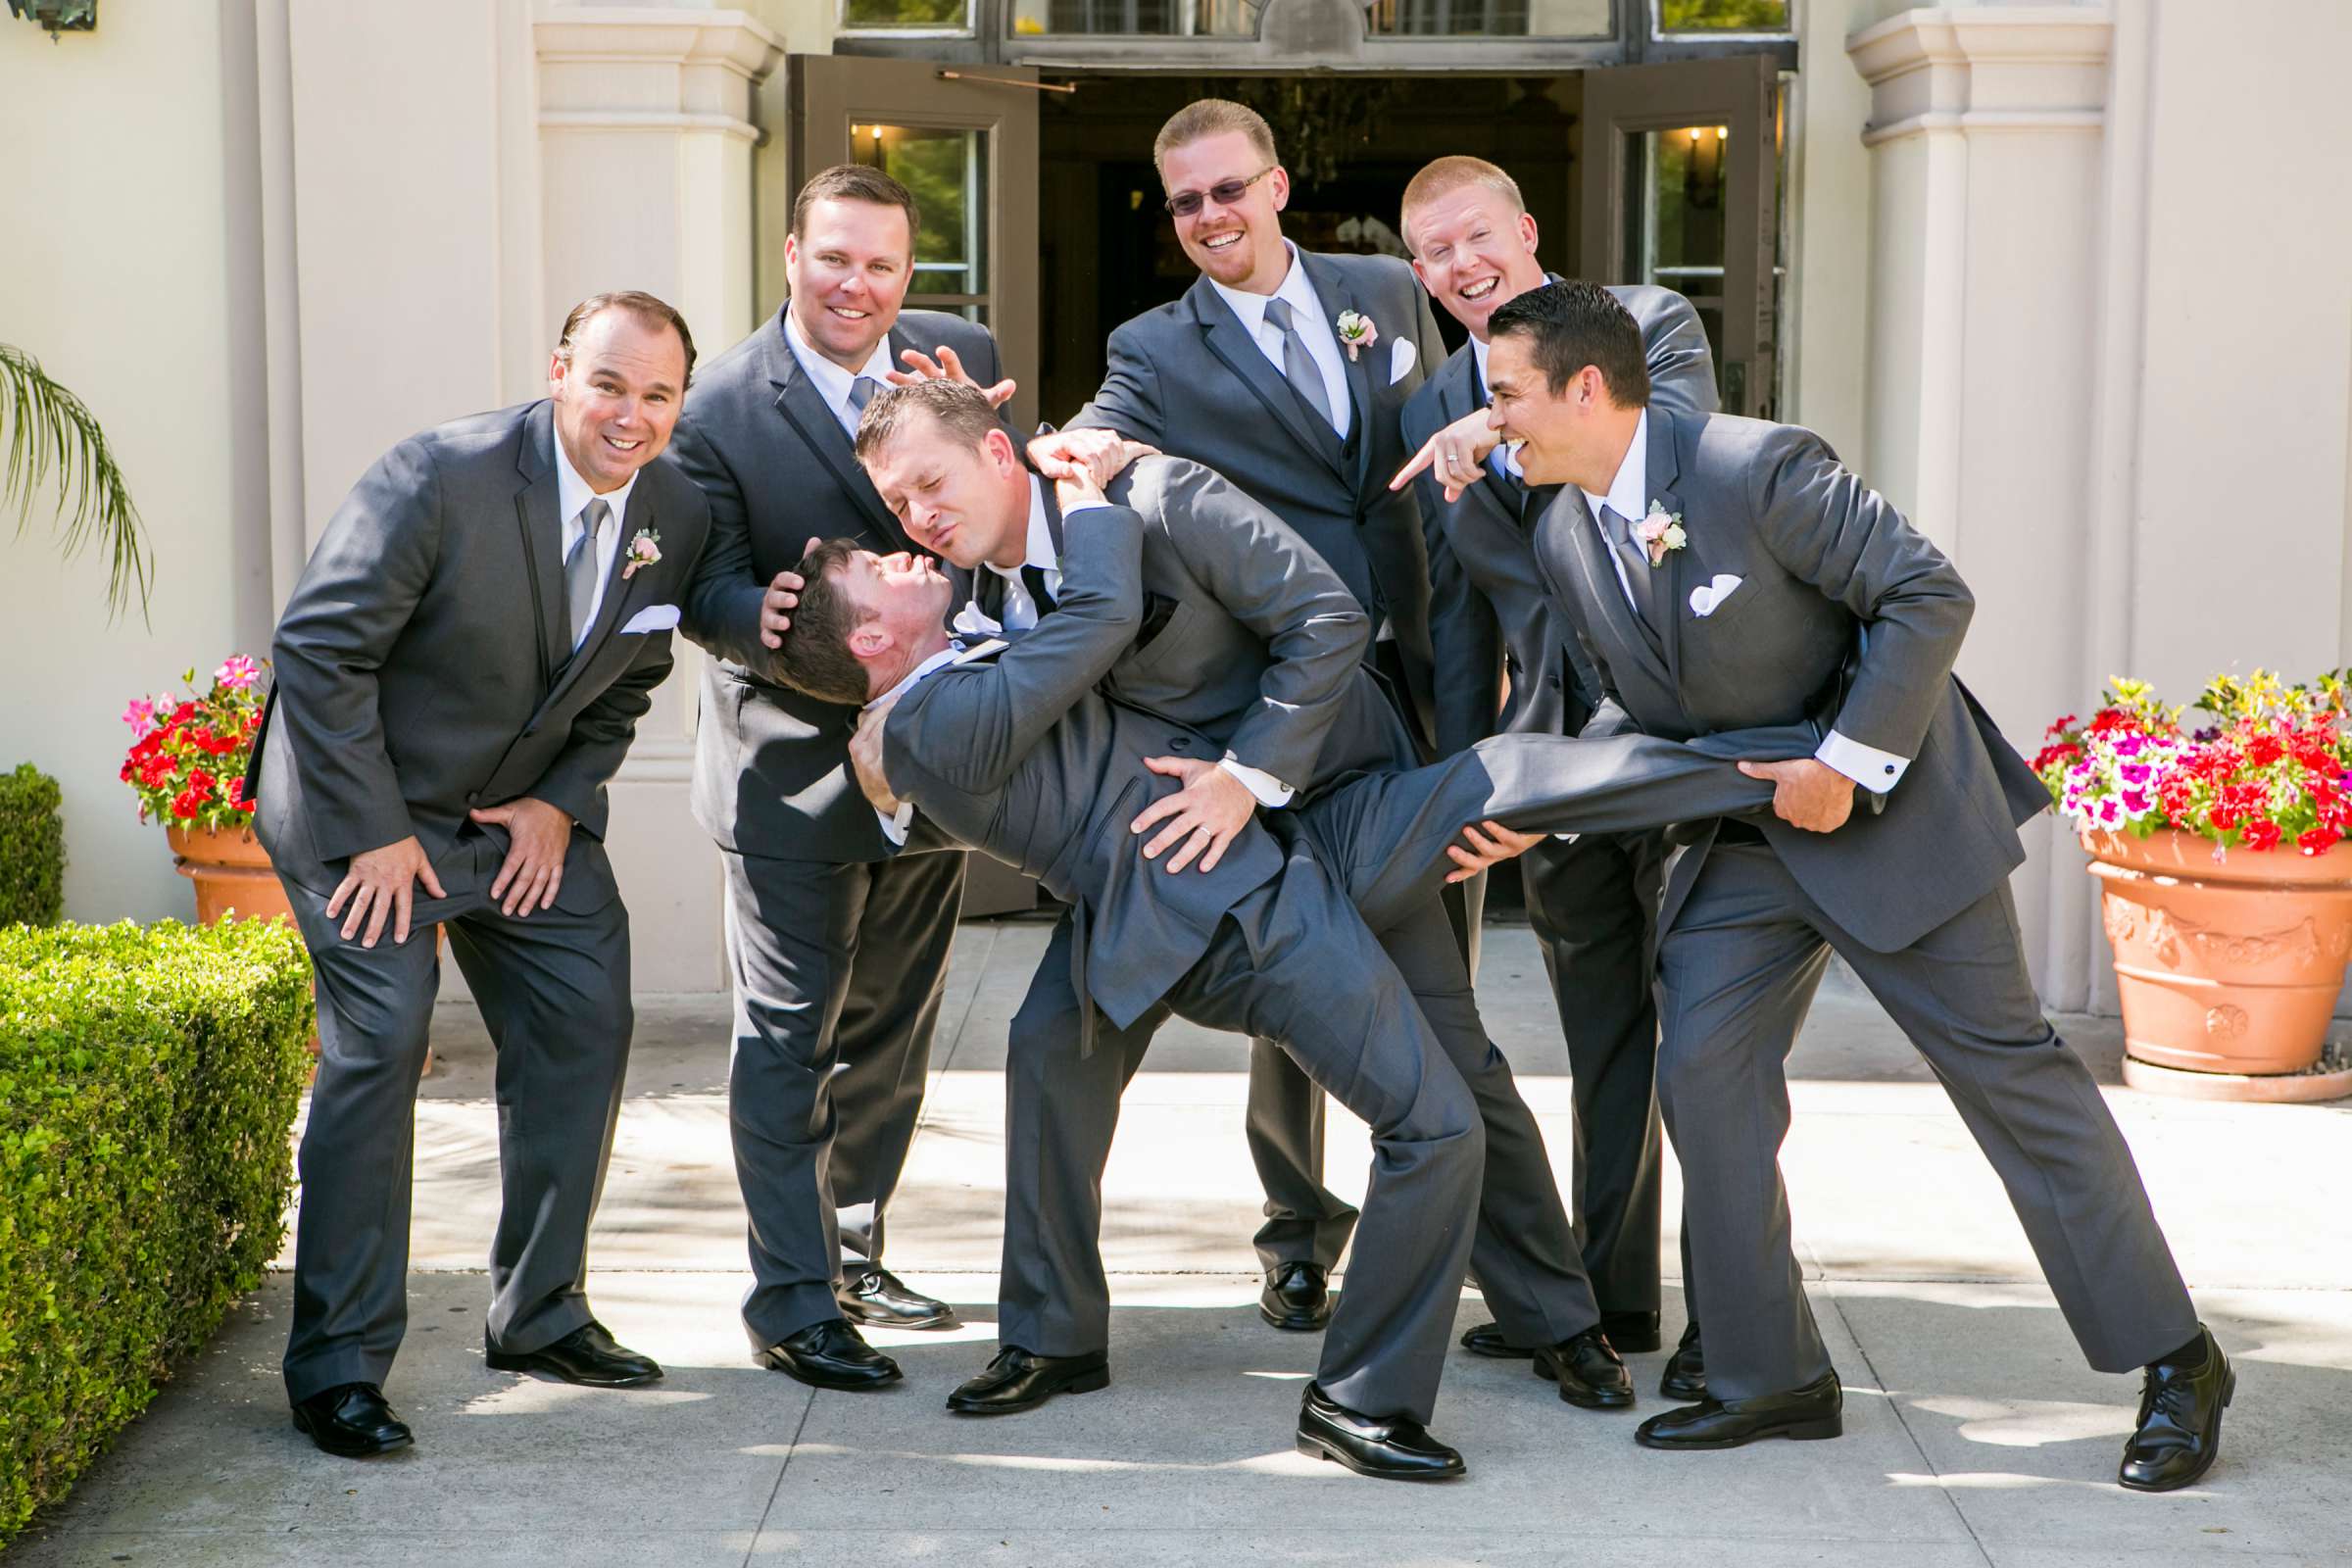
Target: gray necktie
862	392
579	568
1299	367
1639	575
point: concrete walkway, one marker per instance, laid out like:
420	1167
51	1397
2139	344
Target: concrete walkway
1975	1434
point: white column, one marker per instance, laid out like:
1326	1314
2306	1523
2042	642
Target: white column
1988	301
644	140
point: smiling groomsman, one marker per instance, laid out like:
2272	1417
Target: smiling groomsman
1505	662
1285	370
837	951
459	671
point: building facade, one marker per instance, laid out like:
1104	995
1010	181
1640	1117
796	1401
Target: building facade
2066	281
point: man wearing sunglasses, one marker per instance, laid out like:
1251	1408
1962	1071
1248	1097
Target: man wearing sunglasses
1287	372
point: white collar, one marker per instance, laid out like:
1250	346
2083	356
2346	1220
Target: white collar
1629	492
940	660
1295	290
830	379
1042	554
573	493
1479	349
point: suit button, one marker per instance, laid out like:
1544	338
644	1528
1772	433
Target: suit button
1891	771
474	798
1179	743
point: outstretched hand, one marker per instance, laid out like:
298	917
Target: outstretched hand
1456	455
949	367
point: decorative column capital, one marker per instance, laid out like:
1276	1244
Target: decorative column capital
651	67
1984	67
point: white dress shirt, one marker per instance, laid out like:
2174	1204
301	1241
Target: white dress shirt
833	383
572	496
1628	497
1315	331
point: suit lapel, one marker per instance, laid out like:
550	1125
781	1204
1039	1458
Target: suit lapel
1231	342
536	514
1331	287
804	408
1663	469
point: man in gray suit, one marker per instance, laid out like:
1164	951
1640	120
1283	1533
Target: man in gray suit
1506	662
1251	643
1009	744
458	672
1284	371
1723	572
838	950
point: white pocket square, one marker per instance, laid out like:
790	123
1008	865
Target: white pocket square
652	618
1704	598
1403	356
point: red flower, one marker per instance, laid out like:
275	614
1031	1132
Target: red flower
2050	756
2062	727
200	781
2264	750
187	802
2107	719
156	772
2262	834
184	712
2317	840
236	793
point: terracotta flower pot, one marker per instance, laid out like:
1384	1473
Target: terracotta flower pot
2229	966
231	872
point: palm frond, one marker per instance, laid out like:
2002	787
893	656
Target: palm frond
54	440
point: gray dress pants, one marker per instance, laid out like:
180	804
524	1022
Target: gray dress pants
554	990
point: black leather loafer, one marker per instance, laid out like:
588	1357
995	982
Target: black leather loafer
1588	1371
1019	1381
1632	1333
1391	1449
830	1355
1686	1374
2180	1431
1487	1340
1815	1411
587	1356
879	1298
352	1421
1297	1297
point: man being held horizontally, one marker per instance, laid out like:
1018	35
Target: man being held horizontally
1723	572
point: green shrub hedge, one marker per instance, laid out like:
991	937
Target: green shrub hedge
32	848
148	1082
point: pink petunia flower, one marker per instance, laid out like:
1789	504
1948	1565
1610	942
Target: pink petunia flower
237	672
140	716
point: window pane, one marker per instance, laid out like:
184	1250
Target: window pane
948	172
1159	18
1722	16
864	15
1673	218
1491	18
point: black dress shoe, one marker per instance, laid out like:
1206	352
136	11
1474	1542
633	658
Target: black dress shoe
2180	1432
831	1354
1297	1297
1019	1381
1685	1375
1487	1340
352	1420
1816	1410
1391	1449
587	1356
879	1298
1588	1371
1632	1333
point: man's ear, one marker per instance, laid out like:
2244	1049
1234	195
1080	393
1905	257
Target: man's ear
869	642
1526	232
998	443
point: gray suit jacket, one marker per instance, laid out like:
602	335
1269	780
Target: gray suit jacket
424	665
1022	755
771	771
1246	636
1187	378
1488	612
1826	567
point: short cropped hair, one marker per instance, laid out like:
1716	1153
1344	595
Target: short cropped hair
648	310
1572	325
816	658
1214	116
855	182
961	411
1442	177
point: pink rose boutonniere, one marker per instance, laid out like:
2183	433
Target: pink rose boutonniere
1659	532
1356	331
644	551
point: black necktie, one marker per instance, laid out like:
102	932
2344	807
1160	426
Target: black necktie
1033	579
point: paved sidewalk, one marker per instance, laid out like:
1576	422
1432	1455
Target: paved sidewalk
1975	1434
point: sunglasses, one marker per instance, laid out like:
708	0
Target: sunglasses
1225	192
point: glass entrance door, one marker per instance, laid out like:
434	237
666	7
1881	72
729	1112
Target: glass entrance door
1679	188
